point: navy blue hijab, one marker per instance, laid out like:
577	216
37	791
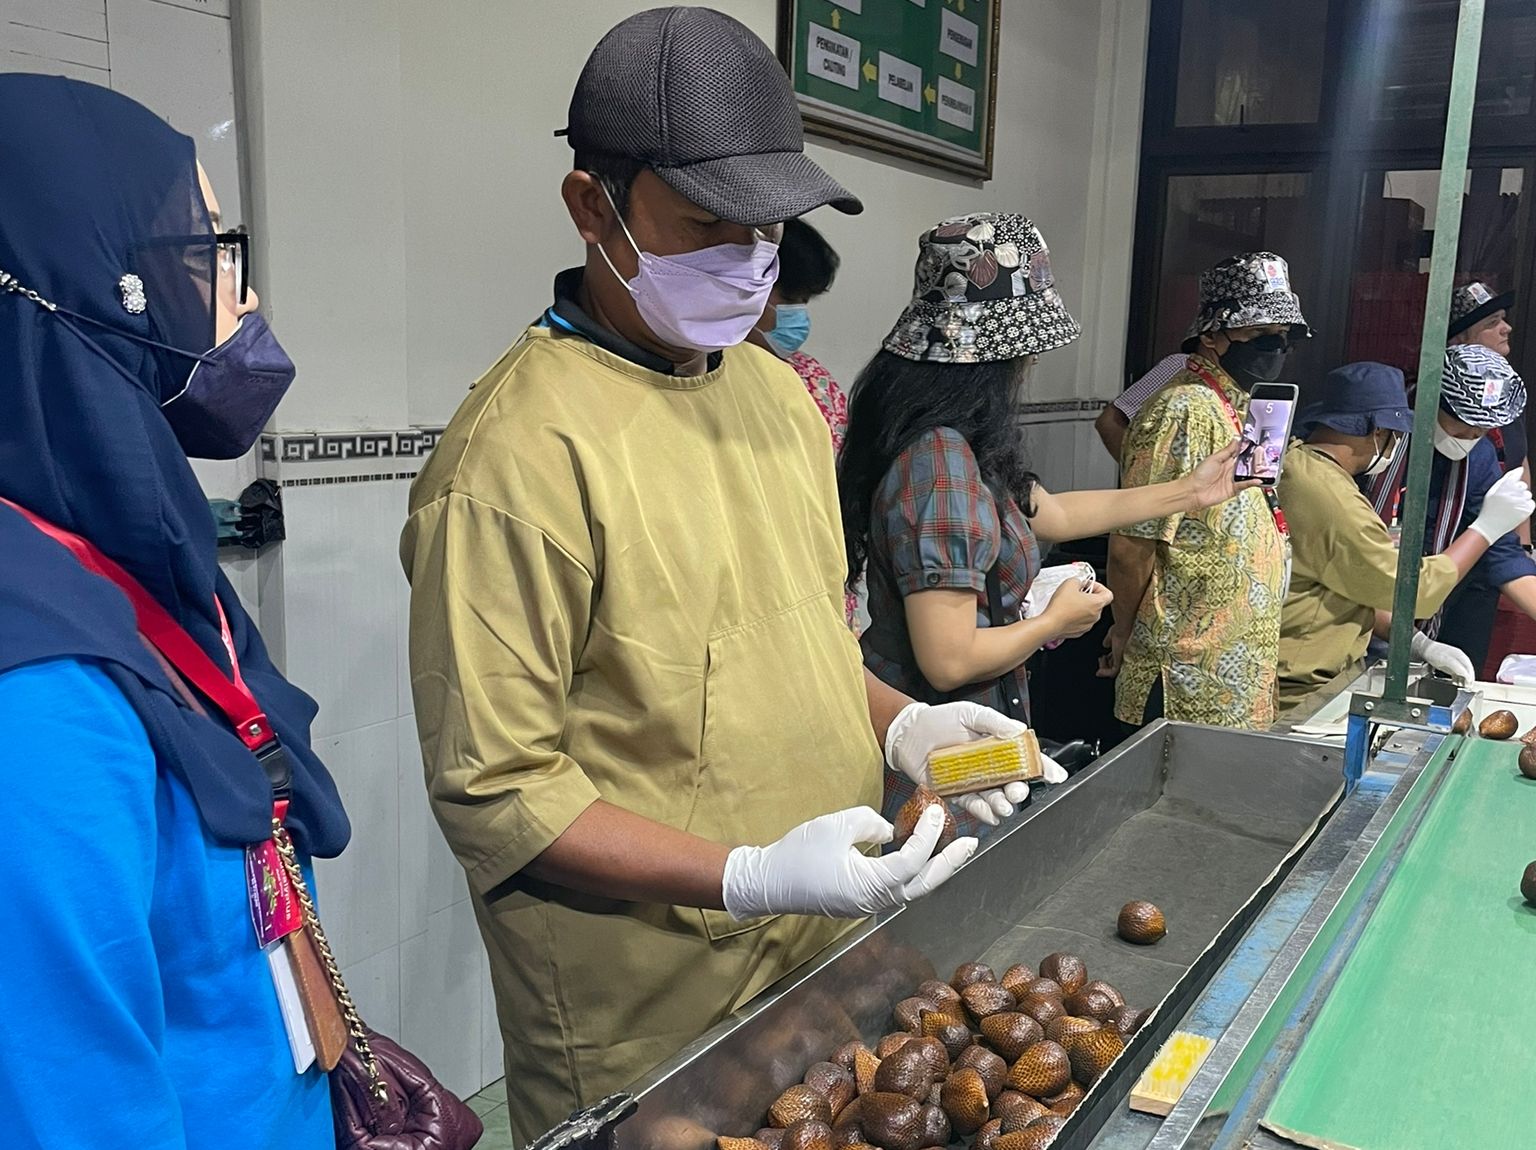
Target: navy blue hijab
97	187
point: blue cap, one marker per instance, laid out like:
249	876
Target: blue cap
1358	399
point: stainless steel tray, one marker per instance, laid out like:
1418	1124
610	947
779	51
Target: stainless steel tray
1196	819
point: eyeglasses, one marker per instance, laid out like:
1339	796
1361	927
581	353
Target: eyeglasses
235	257
1272	341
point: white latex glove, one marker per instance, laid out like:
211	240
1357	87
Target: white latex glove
920	729
816	868
1507	505
1053	772
1443	657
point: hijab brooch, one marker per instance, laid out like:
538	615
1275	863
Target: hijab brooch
132	288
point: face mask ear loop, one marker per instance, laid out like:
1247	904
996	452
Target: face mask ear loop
1382	459
202	359
639	255
67	319
199	357
9	283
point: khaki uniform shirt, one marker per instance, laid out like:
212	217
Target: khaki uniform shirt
628	585
1209	624
1344	569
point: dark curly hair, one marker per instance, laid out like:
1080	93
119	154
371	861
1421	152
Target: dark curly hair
895	400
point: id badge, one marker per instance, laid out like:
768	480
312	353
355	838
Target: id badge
275	909
290	1002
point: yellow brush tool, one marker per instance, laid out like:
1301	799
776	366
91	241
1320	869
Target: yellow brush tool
985	764
1163	1082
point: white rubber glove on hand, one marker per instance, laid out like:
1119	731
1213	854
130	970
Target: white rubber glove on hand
1507	505
1443	657
817	869
920	729
1054	773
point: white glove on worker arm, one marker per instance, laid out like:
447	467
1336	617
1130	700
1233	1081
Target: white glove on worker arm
817	869
1442	657
1507	505
920	729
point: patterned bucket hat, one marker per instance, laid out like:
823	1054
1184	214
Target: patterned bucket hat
983	291
1480	387
1251	290
1473	303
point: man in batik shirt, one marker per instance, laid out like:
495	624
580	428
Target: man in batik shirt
1197	596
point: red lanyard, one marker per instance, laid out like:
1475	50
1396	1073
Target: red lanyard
228	693
1270	498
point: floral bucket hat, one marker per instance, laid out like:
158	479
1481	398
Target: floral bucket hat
1252	290
983	291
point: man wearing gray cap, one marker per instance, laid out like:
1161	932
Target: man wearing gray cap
647	732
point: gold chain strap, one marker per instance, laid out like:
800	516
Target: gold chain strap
354	1021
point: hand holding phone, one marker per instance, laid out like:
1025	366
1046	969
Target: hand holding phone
1215	480
1267	430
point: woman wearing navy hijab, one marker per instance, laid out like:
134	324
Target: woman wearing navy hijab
139	1009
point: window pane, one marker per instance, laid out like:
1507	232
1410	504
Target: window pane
1419	49
1212	217
1251	62
1391	279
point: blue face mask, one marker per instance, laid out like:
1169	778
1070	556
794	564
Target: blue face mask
791	330
232	392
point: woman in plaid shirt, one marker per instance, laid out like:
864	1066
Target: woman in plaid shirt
937	496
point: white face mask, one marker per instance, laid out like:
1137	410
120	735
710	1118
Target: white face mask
1384	458
1450	446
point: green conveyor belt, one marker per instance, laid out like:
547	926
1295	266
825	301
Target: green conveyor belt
1428	1036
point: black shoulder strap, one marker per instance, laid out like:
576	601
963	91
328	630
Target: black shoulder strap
1013	692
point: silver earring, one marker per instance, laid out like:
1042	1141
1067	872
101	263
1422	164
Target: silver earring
132	288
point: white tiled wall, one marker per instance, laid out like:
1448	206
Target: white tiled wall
396	903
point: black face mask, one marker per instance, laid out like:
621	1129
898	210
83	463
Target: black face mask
1259	360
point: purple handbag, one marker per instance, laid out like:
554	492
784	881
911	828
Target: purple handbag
382	1096
417	1112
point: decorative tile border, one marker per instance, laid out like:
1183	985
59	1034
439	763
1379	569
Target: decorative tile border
322	480
339	446
1064	407
416	443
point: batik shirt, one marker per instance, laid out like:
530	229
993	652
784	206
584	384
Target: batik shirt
1209	623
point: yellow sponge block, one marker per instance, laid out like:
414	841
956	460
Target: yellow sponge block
984	764
1163	1083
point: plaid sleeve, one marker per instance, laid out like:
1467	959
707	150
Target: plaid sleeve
937	517
1168	440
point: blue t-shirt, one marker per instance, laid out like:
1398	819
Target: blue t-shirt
138	1009
1505	561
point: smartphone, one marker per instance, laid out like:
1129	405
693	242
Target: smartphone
1271	407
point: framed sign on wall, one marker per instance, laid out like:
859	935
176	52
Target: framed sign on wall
914	78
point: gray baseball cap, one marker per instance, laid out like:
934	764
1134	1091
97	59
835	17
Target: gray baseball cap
702	102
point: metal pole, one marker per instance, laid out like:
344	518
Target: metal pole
1442	269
